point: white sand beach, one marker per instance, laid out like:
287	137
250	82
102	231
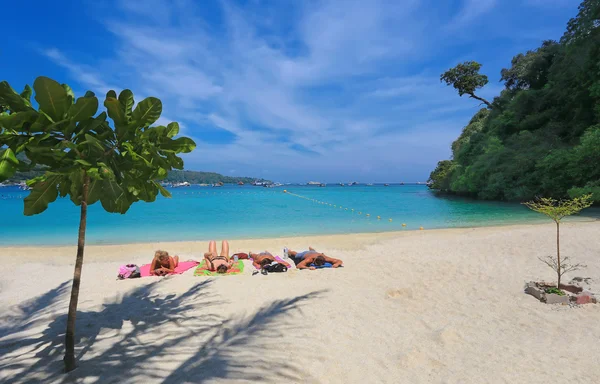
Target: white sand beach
405	308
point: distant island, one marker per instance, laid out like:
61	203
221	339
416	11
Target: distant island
196	177
175	176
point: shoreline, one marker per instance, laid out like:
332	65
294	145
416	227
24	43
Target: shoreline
542	221
140	251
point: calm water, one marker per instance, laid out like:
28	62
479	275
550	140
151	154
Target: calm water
203	213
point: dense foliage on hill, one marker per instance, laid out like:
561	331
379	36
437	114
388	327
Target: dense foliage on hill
541	136
194	177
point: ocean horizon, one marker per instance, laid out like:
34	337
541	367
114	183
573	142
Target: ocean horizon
240	212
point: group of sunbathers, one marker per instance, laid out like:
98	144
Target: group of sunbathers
163	264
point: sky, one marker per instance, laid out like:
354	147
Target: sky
291	91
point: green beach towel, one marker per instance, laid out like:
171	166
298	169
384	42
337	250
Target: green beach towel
202	270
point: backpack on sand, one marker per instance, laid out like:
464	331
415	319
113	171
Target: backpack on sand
129	271
275	267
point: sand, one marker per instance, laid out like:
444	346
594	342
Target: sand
407	307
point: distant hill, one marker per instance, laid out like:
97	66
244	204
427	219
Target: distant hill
192	177
195	177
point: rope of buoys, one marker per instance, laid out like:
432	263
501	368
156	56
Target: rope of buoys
333	205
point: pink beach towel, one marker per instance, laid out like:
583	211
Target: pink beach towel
181	267
279	260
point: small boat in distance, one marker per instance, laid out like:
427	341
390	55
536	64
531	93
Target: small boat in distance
342	184
386	185
322	185
370	184
401	183
353	183
240	183
313	183
183	184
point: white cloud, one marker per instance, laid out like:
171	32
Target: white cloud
342	80
87	76
471	10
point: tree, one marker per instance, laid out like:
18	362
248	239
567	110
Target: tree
542	136
586	21
557	210
466	79
530	70
84	158
439	179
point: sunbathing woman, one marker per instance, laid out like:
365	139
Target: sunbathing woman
261	260
220	264
318	259
163	264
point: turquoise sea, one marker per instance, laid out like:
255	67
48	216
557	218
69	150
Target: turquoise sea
234	212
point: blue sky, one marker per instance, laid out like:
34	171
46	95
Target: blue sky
286	90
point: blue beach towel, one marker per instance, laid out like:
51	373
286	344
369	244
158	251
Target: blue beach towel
326	265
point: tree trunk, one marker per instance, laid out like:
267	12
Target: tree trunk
558	252
481	99
70	363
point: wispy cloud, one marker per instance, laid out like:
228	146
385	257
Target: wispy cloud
471	10
320	89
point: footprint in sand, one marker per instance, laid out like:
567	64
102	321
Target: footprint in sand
447	337
419	358
406	293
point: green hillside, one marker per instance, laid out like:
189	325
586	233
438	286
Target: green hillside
541	135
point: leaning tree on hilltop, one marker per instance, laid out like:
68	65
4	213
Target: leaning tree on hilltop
557	210
84	157
466	79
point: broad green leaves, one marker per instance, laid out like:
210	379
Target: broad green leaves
12	99
182	144
26	94
113	198
122	164
83	109
115	111
43	193
172	129
53	99
126	100
18	119
147	111
8	163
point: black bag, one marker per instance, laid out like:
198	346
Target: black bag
275	268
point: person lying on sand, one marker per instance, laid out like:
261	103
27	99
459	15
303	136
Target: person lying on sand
263	259
299	256
221	263
163	264
318	259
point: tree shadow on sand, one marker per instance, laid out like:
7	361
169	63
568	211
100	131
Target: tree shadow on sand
248	348
125	340
141	312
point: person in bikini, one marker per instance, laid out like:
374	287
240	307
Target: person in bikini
305	260
163	264
220	263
